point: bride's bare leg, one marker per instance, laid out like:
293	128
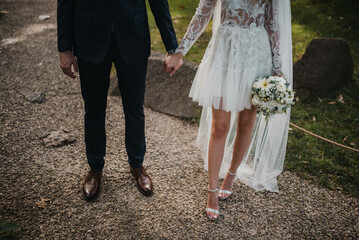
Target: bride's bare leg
245	124
219	131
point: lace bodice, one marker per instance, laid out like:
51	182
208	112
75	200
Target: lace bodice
242	13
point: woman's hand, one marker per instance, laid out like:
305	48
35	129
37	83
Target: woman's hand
171	63
278	74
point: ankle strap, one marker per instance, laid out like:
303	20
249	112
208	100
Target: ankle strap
233	174
213	190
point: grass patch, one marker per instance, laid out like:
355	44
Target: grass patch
329	165
311	158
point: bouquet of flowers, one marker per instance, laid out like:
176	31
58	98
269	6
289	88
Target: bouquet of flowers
272	95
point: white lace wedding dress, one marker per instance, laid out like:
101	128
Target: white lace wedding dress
246	43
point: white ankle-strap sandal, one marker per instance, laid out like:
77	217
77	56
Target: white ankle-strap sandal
215	211
227	191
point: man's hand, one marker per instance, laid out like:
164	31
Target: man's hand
67	60
171	63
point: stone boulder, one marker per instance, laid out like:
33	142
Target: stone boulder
167	94
326	65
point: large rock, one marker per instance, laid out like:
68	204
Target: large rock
168	94
326	65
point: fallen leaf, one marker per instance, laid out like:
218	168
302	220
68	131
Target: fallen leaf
345	138
333	102
42	203
320	100
314	119
352	144
340	99
300	156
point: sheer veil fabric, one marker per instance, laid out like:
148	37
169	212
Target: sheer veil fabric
265	156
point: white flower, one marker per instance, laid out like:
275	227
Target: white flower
255	100
275	103
281	80
281	87
284	95
289	100
256	84
271	78
264	83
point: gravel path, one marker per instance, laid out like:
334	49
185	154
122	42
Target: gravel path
41	187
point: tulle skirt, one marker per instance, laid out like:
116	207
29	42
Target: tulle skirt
234	58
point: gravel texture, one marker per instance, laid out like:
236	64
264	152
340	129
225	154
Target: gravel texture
41	187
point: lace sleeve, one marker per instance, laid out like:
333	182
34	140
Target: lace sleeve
198	24
272	27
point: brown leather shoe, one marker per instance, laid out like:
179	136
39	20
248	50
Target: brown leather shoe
143	181
91	185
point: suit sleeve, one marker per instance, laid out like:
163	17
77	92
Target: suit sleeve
65	14
160	10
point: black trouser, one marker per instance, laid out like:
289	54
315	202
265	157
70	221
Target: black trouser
95	79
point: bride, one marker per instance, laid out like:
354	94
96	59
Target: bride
251	38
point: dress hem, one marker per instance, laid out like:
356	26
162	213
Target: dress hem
226	110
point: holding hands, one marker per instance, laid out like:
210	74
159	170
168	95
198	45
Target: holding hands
172	62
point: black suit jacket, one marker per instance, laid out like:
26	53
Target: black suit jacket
85	27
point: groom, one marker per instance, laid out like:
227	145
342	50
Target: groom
91	36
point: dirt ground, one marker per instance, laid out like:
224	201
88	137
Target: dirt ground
41	187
